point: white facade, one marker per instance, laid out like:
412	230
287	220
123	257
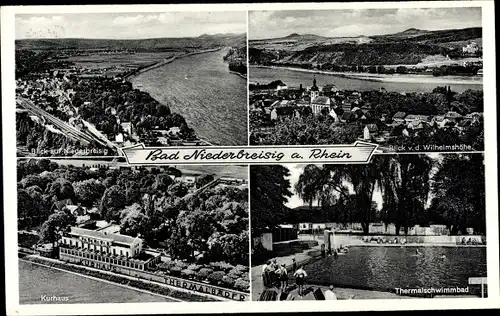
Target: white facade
112	244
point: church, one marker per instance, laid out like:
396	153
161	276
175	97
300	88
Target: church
321	103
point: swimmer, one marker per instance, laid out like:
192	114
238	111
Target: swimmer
443	256
417	252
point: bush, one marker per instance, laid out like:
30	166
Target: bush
241	268
246	277
237	272
181	264
221	266
175	271
187	273
166	266
228	281
215	278
194	267
241	285
204	273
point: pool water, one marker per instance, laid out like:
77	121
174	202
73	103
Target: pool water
387	268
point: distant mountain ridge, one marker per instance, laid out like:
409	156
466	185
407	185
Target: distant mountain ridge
408	47
409	33
203	41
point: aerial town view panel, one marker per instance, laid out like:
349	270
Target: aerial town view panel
409	80
89	84
105	232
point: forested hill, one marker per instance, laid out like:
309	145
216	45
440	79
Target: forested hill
204	41
411	46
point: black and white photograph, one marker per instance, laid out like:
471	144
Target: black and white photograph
249	157
403	226
408	79
89	84
92	231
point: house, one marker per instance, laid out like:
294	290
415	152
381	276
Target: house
119	138
347	117
453	116
163	140
473	117
329	89
416	117
189	179
274	115
305	226
174	130
471	48
105	250
370	131
76	210
417	124
59	205
318	227
281	86
464	124
333	114
399	117
127	127
321	102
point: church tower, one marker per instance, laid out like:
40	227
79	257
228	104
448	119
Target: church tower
314	90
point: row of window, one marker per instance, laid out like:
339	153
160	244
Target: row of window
102	248
92	256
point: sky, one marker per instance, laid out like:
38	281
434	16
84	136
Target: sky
297	169
129	25
347	23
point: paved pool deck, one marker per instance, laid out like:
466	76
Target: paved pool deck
257	286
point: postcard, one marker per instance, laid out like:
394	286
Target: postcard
250	157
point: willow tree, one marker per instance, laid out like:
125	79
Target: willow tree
405	189
459	192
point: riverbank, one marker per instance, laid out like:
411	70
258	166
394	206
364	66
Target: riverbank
383	78
239	74
119	279
168	61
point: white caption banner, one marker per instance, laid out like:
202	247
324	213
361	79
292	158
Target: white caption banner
357	153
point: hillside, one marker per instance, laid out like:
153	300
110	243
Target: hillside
154	44
408	47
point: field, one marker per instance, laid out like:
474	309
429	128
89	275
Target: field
94	61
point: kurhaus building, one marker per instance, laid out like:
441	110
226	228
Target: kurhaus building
104	250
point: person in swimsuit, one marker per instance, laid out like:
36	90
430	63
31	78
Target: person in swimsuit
300	275
283	277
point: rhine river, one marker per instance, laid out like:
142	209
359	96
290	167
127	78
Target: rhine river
201	89
415	83
36	281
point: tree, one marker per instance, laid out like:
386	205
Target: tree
310	184
405	188
26	210
61	189
134	222
89	191
113	201
459	192
203	180
178	189
56	223
269	192
232	248
198	227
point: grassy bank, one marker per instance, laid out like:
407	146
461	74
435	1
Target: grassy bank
121	280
